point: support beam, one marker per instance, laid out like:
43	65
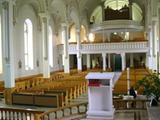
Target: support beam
123	61
8	49
109	60
104	61
79	56
88	61
130	9
45	44
66	44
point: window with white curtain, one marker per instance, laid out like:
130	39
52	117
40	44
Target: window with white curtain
28	44
0	47
50	47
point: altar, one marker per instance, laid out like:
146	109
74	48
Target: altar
100	95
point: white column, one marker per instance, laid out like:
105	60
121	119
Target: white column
154	43
104	61
88	61
131	60
8	50
130	9
79	56
7	40
66	44
45	44
147	60
150	53
109	60
128	80
123	61
103	12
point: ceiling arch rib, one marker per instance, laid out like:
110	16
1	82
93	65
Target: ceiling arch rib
58	9
35	4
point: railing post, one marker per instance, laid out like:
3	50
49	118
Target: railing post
37	116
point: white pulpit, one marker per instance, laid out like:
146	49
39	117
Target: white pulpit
100	95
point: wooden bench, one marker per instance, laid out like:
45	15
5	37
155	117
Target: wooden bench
45	100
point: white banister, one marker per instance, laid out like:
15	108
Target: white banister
131	47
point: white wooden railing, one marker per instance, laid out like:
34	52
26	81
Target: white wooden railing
133	47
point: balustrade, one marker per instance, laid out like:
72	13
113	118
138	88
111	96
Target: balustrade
67	111
19	114
109	47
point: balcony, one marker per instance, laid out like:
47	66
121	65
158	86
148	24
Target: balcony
93	48
117	25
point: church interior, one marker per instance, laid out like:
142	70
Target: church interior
48	47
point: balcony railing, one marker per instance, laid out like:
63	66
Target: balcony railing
117	24
133	47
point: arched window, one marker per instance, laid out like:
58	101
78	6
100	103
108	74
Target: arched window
50	47
0	48
28	44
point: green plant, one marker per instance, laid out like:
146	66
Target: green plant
150	84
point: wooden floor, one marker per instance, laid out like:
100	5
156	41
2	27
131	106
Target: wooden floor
128	115
131	115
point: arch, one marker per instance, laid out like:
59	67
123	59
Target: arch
58	9
75	16
28	44
72	31
96	16
116	4
37	6
83	34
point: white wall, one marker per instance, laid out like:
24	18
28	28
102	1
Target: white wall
1	77
25	12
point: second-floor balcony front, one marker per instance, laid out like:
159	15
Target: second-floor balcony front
117	47
117	25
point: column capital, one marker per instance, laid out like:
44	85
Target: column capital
5	3
44	15
64	25
123	54
130	2
103	54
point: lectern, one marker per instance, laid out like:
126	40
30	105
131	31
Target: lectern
100	95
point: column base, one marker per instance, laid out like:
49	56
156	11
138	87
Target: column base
8	95
100	115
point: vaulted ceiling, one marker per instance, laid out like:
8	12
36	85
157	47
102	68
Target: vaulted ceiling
59	10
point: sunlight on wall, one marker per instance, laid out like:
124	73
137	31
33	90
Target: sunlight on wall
72	34
28	44
83	34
